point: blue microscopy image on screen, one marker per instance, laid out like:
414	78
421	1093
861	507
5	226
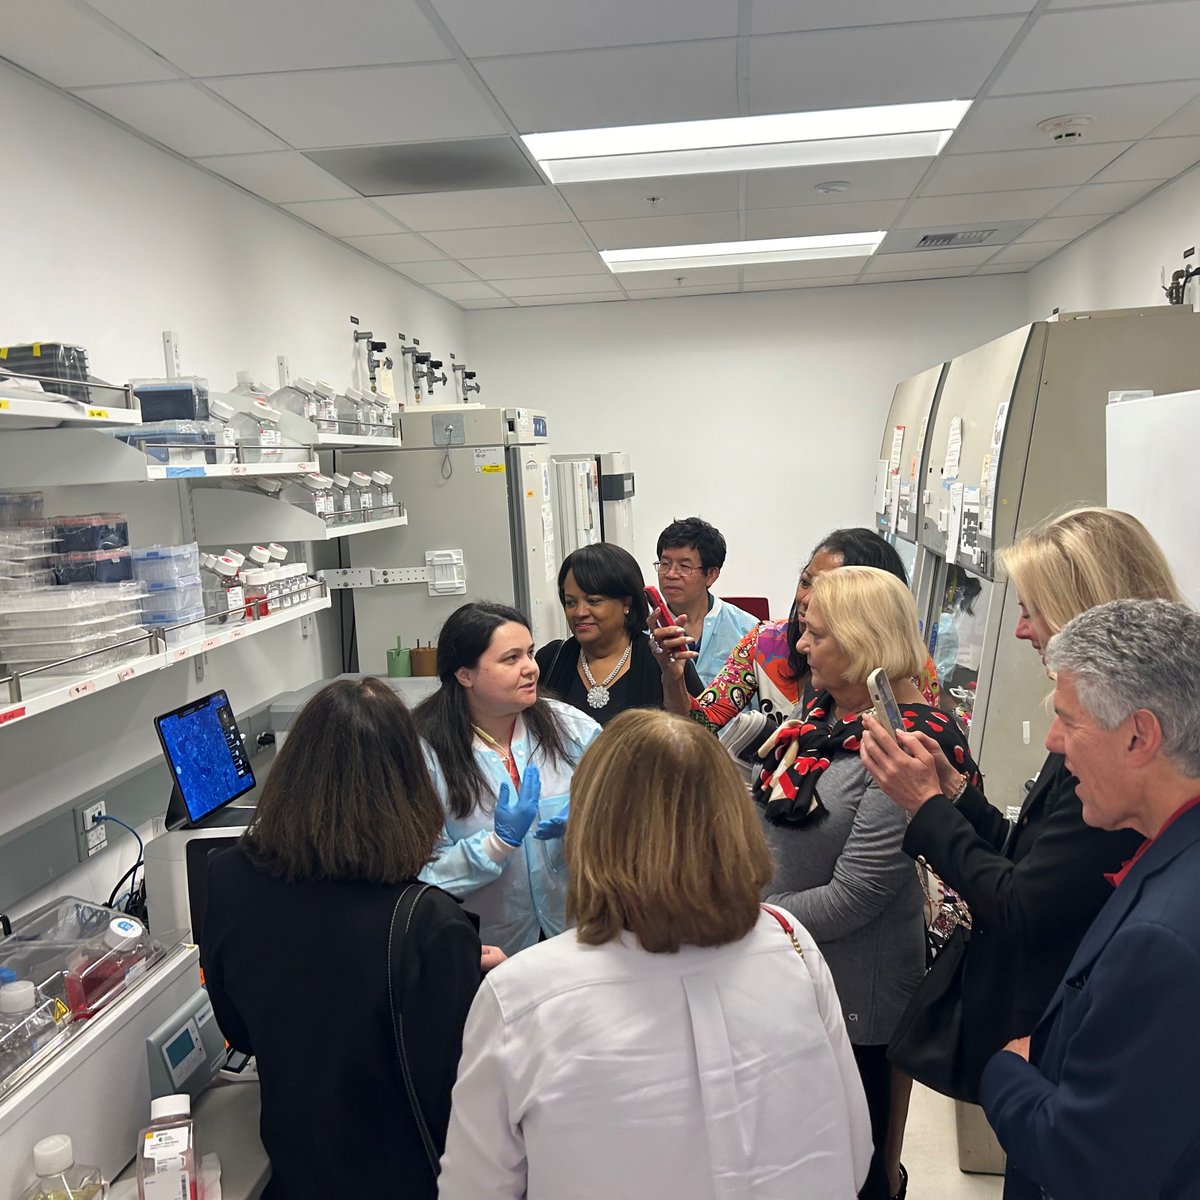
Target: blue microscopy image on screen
206	754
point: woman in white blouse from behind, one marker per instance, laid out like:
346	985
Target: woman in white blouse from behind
674	1043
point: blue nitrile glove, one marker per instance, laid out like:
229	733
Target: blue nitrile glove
553	827
514	816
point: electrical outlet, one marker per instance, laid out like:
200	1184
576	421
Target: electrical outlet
89	830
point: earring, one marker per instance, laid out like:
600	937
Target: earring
627	612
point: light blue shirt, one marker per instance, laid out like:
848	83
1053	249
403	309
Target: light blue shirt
516	891
724	627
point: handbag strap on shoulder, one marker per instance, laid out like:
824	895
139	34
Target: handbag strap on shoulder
786	926
402	916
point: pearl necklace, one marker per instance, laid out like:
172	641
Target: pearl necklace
598	695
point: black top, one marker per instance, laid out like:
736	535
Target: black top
1032	894
639	687
298	975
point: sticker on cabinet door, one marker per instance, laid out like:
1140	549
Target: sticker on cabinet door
897	448
953	450
489	460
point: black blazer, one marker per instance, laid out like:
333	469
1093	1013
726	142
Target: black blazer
1032	892
298	975
639	687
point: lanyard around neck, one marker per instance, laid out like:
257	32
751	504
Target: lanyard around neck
505	755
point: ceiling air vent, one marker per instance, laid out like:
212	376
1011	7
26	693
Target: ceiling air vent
963	237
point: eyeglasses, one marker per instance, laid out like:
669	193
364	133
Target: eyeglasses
681	569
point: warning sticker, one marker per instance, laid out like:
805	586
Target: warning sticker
489	460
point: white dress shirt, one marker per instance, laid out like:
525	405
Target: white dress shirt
609	1073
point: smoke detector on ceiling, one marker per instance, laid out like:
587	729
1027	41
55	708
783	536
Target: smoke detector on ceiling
1062	130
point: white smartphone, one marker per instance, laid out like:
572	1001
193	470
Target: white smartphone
887	711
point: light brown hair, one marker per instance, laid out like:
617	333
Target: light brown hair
348	796
663	839
1083	558
873	618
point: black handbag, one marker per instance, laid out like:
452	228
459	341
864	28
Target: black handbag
402	916
928	1041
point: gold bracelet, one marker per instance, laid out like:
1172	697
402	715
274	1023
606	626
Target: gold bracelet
962	787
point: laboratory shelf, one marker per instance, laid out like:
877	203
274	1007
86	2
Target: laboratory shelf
24	413
342	441
233	515
39	458
45	692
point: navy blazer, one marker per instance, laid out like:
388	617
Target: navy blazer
1107	1106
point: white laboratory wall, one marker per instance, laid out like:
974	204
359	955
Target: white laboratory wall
1119	264
761	412
107	242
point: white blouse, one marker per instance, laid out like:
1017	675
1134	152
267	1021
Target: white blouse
608	1072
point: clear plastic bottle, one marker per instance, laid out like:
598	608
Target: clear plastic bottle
341	499
350	413
247	387
299	397
166	1154
99	972
26	1024
362	499
257	431
267	485
313	493
259	556
254	583
220	413
277	552
381	486
374	418
224	596
327	417
59	1176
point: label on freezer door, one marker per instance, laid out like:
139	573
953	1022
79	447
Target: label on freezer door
489	460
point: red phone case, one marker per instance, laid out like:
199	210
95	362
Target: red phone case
655	598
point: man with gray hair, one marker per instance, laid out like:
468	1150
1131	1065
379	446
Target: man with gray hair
1101	1101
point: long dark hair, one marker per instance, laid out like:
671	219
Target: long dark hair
444	718
349	796
608	570
857	547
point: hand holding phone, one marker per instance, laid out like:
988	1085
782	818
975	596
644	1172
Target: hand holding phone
660	605
887	711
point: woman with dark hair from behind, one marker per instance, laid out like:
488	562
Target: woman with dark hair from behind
605	666
301	960
501	759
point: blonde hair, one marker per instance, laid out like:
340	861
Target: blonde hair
1083	558
873	618
663	839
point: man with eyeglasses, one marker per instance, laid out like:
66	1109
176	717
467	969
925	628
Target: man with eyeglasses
690	554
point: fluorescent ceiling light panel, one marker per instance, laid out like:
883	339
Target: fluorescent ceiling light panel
734	254
748	143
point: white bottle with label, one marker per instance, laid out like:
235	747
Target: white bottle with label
327	417
361	498
166	1154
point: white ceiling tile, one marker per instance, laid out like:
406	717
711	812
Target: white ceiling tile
1016	170
1123	114
1155	158
483	208
394	247
786	16
61	42
1024	253
183	116
642	281
823	268
892	64
1139	43
663	231
563	285
868	181
464	291
586	89
982	206
343	218
715	289
1058	229
580	298
1184	123
499	302
530	26
511	240
232	37
811	219
363	106
676	195
441	271
906	276
796	284
931	260
1104	198
537	266
279	176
